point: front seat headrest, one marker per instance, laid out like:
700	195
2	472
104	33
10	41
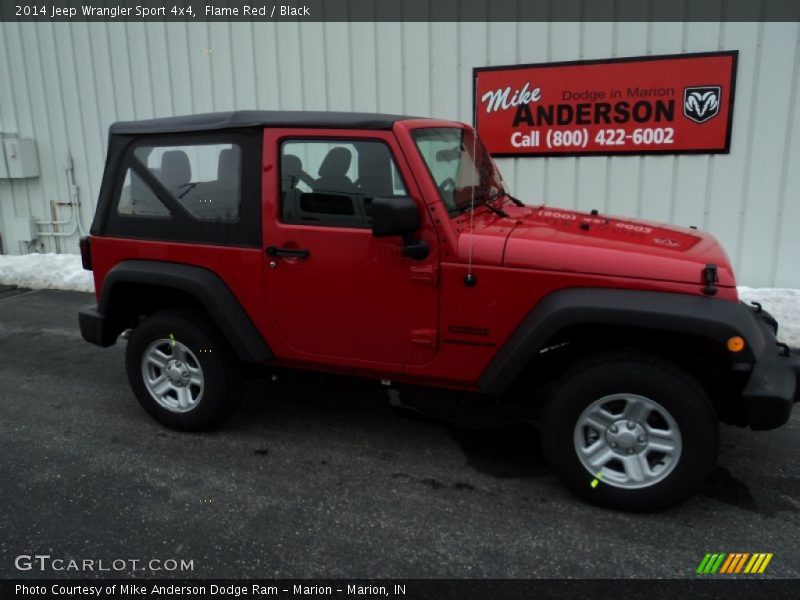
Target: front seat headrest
291	166
336	163
291	171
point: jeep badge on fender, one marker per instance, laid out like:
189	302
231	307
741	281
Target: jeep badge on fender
387	247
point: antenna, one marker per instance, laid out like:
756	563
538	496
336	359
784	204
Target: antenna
469	278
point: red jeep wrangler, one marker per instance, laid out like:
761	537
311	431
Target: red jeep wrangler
387	247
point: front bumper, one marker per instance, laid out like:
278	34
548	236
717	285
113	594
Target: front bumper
774	383
95	328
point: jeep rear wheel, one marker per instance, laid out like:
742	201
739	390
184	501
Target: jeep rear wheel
173	375
630	432
180	371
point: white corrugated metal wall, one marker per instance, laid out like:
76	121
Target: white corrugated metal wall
64	83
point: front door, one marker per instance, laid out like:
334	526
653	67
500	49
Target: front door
334	290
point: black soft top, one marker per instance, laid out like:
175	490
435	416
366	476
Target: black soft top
257	118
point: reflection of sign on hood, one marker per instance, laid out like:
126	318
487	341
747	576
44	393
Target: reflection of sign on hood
701	103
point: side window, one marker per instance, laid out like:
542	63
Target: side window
138	200
203	178
196	187
333	182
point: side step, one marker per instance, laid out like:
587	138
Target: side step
472	411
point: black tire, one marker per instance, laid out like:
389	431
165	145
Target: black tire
652	378
219	369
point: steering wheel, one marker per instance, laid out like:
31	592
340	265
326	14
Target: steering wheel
447	186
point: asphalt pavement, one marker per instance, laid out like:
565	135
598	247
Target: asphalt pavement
317	477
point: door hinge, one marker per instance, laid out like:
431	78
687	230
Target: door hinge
424	274
424	337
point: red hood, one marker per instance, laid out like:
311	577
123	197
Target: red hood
563	240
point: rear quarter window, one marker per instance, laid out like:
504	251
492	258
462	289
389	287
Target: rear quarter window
200	188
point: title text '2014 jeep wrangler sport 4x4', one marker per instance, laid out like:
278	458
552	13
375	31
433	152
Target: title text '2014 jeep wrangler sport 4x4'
387	247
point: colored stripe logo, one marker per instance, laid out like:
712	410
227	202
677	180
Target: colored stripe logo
733	563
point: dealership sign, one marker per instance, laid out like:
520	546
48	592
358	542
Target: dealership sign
644	105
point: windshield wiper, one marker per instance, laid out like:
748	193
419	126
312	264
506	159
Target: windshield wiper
484	201
516	201
496	210
487	202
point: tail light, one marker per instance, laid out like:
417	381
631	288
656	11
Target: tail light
86	252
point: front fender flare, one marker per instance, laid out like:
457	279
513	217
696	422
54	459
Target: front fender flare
676	313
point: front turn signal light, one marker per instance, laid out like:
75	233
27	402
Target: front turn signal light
736	344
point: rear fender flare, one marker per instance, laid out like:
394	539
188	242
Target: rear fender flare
216	298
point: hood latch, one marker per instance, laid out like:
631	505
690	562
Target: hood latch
710	278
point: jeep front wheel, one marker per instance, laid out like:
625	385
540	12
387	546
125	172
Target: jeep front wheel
630	432
180	372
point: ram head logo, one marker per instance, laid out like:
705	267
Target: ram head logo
701	103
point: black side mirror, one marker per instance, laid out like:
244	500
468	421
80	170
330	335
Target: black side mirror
394	216
399	216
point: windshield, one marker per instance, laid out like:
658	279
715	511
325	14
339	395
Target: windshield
460	166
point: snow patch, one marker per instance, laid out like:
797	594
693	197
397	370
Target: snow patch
46	271
784	305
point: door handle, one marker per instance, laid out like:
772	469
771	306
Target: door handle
288	252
